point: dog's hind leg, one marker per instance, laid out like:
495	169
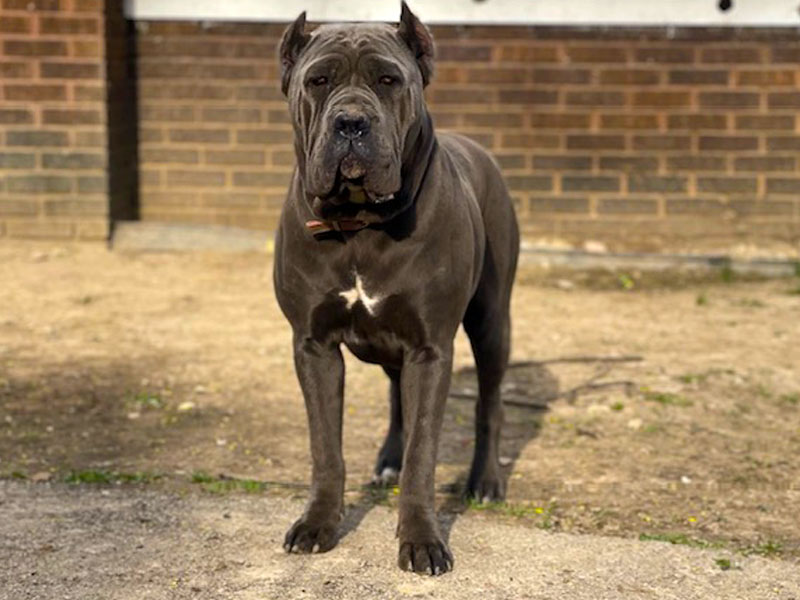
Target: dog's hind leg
487	323
390	457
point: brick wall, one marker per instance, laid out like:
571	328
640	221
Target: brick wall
624	136
52	119
644	139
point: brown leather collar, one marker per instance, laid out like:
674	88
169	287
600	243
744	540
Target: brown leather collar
317	227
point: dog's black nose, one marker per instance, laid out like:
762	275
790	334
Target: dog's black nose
351	126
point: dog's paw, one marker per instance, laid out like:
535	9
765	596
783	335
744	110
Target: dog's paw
310	536
486	488
388	477
432	558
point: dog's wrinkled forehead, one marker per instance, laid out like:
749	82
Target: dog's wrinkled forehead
353	41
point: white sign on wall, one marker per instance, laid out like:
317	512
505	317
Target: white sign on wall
713	13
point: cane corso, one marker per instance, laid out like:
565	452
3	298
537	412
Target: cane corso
391	236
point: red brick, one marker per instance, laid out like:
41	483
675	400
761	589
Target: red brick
77	208
661	142
528	54
765	122
39	184
595	142
784	100
49	70
15	116
731	55
17	160
764	78
37	138
526	97
595	98
662	99
493	120
235	157
786	142
728	143
559	205
460	96
698	77
765	163
463	53
628	121
701	162
727	185
696	207
72	117
526	183
530	140
202	136
783	185
589	183
629	77
596	54
695	122
628	163
560	76
31	5
731	100
264	136
73	161
262	179
195	179
169	155
657	184
69	25
34	48
561	162
15	70
786	54
231	115
495	75
35	92
666	55
748	208
559	121
627	206
9	24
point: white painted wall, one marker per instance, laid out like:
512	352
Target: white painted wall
744	13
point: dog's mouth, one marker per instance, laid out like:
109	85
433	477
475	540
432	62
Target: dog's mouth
349	185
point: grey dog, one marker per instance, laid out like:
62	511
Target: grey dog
390	238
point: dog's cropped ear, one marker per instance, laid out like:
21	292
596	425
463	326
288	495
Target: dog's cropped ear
419	39
292	43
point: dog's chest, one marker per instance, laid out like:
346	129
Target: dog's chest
374	319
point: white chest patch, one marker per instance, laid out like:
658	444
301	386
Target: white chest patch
358	294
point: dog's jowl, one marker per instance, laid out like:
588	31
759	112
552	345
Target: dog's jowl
391	237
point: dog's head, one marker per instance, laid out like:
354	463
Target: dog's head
356	100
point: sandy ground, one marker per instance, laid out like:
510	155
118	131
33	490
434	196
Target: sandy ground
87	544
174	371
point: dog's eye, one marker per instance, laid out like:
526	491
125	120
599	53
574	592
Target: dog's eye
387	80
321	80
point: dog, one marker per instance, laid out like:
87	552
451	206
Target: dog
390	238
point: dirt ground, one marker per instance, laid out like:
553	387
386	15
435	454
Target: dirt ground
172	373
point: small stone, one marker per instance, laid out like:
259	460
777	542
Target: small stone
134	415
686	480
595	247
41	476
186	406
565	284
635	424
505	461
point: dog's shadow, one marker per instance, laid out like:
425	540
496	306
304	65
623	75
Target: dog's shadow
527	390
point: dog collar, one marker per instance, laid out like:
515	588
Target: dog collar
317	227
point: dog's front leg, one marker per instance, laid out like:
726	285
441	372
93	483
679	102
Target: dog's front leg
425	379
320	369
